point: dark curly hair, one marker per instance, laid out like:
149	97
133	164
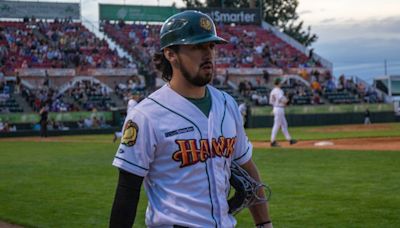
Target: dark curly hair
163	65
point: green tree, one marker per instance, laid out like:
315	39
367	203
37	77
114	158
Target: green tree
297	32
217	3
193	3
282	14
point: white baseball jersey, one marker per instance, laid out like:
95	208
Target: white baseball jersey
184	156
131	104
279	101
277	98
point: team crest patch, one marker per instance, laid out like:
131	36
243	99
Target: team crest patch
205	23
130	133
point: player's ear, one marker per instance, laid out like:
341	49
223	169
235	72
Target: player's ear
170	55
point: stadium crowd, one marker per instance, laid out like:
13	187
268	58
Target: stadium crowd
57	44
60	44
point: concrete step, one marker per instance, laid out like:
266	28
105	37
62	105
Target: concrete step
22	103
119	103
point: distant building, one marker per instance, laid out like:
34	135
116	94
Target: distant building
389	85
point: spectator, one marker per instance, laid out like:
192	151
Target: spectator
43	120
17	83
316	87
95	122
88	123
80	122
316	99
330	86
367	116
13	128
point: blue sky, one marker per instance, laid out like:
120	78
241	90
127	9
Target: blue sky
357	36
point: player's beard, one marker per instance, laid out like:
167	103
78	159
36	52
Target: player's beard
196	79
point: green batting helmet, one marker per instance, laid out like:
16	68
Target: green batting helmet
277	81
188	27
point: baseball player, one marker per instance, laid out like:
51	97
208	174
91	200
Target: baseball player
133	101
279	101
243	111
181	140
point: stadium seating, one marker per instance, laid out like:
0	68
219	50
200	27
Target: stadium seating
53	45
10	105
251	46
68	44
341	97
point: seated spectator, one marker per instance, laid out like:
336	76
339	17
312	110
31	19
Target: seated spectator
330	85
87	122
36	127
262	99
80	122
341	84
254	98
316	99
316	87
103	123
13	128
95	122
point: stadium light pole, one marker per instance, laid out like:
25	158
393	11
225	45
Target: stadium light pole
385	62
80	10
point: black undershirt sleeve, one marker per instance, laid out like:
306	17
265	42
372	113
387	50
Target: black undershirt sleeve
126	200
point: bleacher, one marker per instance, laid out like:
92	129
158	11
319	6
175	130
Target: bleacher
300	94
238	98
69	44
341	97
266	49
100	102
10	105
301	100
54	45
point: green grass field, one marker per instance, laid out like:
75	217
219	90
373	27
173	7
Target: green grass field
71	184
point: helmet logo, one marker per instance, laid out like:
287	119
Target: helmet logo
205	23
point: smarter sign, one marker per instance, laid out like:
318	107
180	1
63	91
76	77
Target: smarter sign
239	17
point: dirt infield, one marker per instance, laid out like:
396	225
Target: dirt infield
8	225
353	127
52	139
382	143
385	144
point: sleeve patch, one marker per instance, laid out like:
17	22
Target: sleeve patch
130	133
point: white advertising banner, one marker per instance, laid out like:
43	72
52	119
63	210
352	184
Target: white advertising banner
253	71
46	10
41	72
112	72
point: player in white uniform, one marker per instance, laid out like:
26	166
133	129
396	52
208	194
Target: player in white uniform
181	140
133	101
279	101
243	111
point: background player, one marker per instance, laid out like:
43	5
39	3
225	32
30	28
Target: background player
182	139
243	112
278	100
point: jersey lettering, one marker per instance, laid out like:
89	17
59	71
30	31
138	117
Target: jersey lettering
218	147
188	153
